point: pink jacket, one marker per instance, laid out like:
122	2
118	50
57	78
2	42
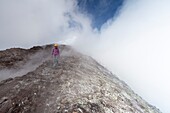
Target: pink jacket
55	52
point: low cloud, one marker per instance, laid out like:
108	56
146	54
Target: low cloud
135	46
25	23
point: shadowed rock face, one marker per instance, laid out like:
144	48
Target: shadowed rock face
16	57
78	85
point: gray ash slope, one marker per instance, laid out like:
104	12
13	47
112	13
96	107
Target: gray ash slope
78	85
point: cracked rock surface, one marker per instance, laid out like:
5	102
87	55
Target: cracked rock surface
77	85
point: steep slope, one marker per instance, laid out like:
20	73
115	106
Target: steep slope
78	85
17	61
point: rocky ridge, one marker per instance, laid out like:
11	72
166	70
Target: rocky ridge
78	85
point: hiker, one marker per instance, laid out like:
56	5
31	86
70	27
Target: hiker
55	54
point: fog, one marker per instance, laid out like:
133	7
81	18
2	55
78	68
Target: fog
25	23
135	45
30	65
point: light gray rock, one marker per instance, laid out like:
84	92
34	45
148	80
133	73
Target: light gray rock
78	85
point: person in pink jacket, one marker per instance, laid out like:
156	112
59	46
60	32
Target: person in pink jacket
55	54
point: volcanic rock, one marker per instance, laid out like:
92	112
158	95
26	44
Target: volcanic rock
78	84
